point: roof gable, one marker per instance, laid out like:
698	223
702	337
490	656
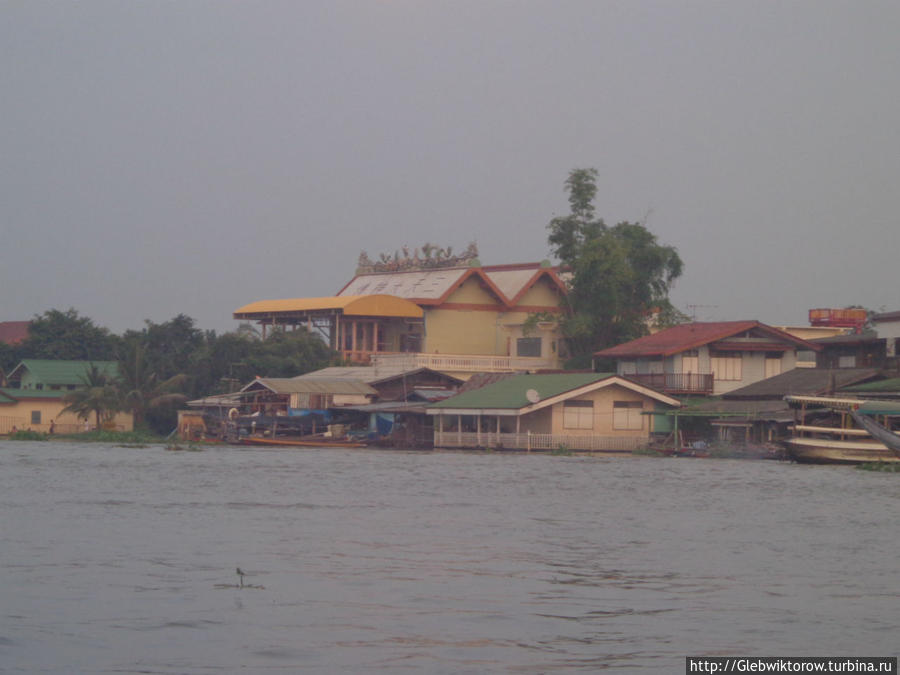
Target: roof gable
693	335
62	372
512	393
433	287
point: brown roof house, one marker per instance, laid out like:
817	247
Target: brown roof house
707	358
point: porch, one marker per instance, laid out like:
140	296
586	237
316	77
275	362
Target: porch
529	441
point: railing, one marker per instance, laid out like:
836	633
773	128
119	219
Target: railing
676	383
460	362
530	441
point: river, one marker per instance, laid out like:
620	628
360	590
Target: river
123	560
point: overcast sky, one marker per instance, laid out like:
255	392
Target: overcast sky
159	158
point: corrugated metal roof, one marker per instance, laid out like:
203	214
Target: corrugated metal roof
880	386
414	285
510	393
692	335
311	385
348	304
62	372
19	394
802	382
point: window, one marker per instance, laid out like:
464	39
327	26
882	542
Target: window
773	364
627	415
847	361
629	367
35	416
725	365
690	361
578	415
528	346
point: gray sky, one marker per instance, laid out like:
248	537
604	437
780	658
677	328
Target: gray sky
159	158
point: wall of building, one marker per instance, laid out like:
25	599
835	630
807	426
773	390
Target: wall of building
20	414
603	408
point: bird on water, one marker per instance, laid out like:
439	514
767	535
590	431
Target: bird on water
240	573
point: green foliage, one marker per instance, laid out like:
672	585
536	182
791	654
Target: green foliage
28	435
882	467
618	276
164	364
99	396
66	335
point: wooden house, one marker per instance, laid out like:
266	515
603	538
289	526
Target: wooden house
707	358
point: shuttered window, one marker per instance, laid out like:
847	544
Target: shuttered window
627	415
578	414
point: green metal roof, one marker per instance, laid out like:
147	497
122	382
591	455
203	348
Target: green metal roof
510	393
10	395
47	371
891	384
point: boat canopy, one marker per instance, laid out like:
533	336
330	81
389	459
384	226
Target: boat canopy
862	406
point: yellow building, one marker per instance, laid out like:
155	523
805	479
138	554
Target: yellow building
34	398
460	319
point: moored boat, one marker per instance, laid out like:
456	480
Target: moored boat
842	443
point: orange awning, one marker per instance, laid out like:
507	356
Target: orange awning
350	305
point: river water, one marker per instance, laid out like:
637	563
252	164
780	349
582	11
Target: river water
123	560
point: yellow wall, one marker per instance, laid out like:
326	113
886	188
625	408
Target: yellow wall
603	413
450	331
19	414
543	294
472	291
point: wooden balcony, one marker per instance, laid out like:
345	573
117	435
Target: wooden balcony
676	383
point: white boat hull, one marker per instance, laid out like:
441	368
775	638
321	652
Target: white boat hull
827	451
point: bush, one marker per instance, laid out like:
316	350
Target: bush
28	435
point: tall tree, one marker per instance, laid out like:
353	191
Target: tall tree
618	277
66	335
141	389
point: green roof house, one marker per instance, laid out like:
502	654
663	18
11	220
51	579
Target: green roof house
577	411
33	398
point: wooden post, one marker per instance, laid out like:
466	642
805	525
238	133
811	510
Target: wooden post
459	431
375	337
353	337
478	429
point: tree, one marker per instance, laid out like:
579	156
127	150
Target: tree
141	389
66	335
99	396
618	276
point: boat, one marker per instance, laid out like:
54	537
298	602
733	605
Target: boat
843	443
307	442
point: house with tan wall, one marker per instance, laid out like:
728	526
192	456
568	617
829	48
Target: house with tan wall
458	319
577	411
34	396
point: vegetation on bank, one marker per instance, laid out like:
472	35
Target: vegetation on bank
163	365
882	467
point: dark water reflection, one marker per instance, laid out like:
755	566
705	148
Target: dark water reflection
123	560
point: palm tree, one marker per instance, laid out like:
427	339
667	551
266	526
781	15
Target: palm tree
141	389
99	395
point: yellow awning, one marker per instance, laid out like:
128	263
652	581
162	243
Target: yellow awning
349	305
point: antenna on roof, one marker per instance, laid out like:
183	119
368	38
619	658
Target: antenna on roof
692	310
